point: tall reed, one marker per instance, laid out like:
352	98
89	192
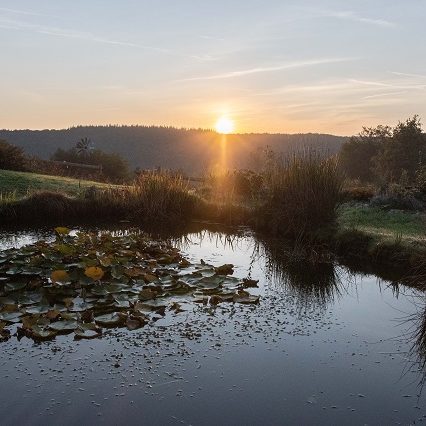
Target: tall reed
303	192
162	197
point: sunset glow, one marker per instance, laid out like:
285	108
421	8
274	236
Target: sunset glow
224	125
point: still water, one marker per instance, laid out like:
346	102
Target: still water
323	346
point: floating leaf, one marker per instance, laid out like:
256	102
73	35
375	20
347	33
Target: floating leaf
247	282
61	230
110	320
14	270
147	294
65	249
12	317
39	332
87	331
94	272
227	269
149	278
15	286
134	322
38	309
210	283
245	298
134	272
63	326
60	276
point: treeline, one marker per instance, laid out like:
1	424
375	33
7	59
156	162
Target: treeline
387	155
190	150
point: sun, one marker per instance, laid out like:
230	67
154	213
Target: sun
224	125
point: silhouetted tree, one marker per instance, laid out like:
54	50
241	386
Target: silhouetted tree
356	155
400	157
12	157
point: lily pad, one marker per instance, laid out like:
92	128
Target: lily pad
11	317
63	326
87	331
110	320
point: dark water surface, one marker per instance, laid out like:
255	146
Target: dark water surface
324	346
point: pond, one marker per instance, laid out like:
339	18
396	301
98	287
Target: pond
322	346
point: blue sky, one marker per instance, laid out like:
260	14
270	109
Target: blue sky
276	66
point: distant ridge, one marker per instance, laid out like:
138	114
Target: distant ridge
191	150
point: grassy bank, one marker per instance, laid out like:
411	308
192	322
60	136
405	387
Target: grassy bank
383	224
21	184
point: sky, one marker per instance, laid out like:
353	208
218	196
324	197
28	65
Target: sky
285	66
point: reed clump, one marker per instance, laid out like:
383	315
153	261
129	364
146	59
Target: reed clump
302	194
161	197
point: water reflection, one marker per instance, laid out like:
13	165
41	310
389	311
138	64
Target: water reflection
312	280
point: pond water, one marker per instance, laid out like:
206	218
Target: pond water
323	346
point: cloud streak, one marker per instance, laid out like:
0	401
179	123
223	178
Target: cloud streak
79	35
351	16
23	12
258	70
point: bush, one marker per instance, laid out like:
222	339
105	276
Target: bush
303	193
397	196
12	157
355	191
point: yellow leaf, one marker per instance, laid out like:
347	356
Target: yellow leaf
62	230
59	276
94	272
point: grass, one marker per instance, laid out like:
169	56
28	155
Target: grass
383	224
153	199
20	184
162	197
302	195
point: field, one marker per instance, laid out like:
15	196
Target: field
20	184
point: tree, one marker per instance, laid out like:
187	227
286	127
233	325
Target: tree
114	167
356	156
401	156
12	157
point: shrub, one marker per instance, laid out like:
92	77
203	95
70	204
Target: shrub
397	196
355	191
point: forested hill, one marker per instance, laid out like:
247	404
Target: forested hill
192	150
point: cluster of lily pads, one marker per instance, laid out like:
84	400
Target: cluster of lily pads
82	282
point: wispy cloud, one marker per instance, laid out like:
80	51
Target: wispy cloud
280	67
390	84
380	95
86	36
404	74
352	16
22	12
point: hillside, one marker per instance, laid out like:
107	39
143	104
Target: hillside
192	150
